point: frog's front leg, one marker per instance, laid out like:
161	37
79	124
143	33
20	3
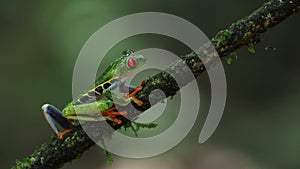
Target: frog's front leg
52	115
122	101
132	90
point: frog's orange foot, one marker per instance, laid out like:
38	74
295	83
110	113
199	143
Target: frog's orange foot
113	113
60	135
138	102
118	121
132	95
115	119
134	99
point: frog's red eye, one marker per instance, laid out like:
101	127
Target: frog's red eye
131	62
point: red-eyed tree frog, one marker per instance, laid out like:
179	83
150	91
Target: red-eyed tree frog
98	103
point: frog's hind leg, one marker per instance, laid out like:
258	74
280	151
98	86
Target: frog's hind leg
52	115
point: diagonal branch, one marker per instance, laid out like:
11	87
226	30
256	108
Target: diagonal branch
244	32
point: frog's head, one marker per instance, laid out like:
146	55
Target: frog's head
128	63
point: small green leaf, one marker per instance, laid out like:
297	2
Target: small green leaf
146	125
134	130
135	126
229	60
251	48
109	157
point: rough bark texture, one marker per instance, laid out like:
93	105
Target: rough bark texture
244	32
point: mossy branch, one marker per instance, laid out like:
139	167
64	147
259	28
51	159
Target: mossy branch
244	32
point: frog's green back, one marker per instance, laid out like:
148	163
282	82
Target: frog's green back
109	72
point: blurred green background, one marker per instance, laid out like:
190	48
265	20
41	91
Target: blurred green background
40	41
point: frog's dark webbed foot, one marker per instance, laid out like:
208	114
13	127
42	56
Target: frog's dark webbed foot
113	113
